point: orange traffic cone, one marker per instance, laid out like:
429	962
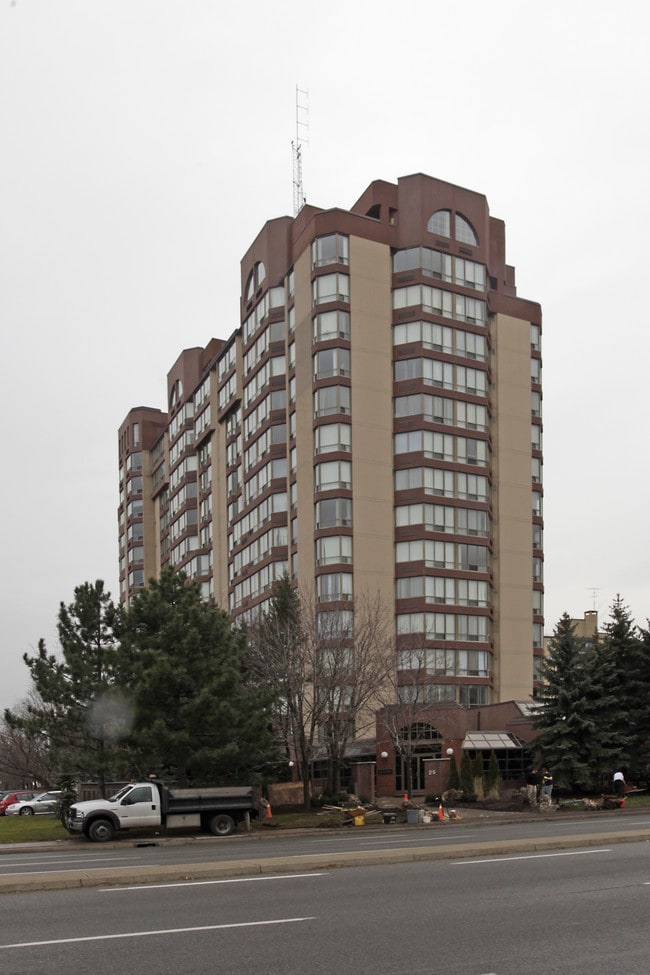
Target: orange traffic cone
269	814
406	797
441	813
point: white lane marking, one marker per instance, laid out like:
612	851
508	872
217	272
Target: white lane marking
205	883
156	933
532	856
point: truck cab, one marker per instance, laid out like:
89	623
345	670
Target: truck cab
135	806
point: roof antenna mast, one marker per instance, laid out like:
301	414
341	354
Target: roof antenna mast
593	590
302	132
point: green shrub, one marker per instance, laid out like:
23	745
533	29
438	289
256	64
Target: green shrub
454	777
467	778
493	778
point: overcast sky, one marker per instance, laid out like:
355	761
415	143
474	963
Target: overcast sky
144	143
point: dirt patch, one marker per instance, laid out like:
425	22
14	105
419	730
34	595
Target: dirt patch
501	805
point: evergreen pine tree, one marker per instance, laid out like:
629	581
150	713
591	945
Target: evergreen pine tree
467	778
642	766
454	778
198	717
493	776
628	710
571	739
78	709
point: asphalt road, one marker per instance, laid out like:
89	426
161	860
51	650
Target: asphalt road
79	863
574	911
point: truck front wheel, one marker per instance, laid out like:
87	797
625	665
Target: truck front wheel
222	825
100	831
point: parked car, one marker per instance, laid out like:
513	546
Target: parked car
44	803
8	798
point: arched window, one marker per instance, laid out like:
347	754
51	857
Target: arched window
255	279
175	394
420	731
440	223
464	232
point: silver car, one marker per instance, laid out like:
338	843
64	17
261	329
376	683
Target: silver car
46	802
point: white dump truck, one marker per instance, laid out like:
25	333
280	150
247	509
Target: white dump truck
147	805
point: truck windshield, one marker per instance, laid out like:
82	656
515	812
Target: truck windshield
120	795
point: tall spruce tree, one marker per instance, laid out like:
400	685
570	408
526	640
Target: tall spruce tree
198	718
77	711
628	662
574	738
643	761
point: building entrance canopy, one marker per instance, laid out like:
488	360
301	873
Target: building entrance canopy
489	741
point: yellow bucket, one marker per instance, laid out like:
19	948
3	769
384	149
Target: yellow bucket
359	820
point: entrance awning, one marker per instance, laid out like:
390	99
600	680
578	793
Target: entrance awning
487	741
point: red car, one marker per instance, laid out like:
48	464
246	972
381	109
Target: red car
20	795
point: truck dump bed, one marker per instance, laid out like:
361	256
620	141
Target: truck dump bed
194	800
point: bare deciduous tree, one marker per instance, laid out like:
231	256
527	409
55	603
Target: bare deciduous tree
407	704
24	758
355	654
326	665
279	660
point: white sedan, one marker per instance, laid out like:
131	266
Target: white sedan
46	802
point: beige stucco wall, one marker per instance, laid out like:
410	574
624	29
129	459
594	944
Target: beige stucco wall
512	527
372	419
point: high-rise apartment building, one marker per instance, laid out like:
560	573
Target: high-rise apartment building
372	426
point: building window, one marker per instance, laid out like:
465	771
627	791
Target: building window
332	437
440	223
473	695
536	402
463	231
331	362
332	475
333	548
331	399
255	279
536	370
335	625
334	587
330	325
331	287
333	249
442	338
334	513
